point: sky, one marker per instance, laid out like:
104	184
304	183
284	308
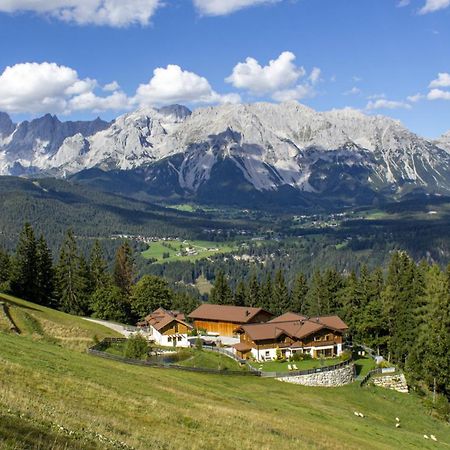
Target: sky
85	58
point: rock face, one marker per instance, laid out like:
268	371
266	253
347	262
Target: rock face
395	382
254	150
333	378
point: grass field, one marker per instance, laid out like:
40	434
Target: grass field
170	249
53	397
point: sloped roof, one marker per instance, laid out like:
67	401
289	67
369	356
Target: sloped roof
288	317
297	329
242	347
161	317
226	313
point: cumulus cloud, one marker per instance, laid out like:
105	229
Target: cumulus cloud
353	91
175	85
114	13
438	94
434	5
415	98
223	7
386	104
48	87
111	87
280	78
443	80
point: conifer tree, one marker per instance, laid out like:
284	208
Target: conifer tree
430	358
98	267
349	298
124	269
253	294
280	298
45	274
24	270
317	295
267	294
299	294
221	293
5	266
70	281
331	286
240	294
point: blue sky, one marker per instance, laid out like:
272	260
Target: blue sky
380	56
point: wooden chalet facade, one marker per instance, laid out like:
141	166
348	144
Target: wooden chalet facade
168	328
224	320
291	333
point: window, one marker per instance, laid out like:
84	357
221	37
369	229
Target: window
179	338
169	339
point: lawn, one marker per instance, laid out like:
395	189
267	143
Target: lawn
51	325
363	366
278	366
44	387
166	251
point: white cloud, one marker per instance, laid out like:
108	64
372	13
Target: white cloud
114	13
353	91
403	3
280	78
48	87
443	80
280	73
386	104
438	94
111	87
174	85
223	7
415	98
434	5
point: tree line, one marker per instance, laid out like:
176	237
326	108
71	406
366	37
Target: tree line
85	286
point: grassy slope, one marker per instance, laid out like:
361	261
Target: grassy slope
46	323
44	386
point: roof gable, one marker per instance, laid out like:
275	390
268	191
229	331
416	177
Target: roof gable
226	313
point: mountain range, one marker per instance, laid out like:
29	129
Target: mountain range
234	153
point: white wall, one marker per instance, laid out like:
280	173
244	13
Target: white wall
271	353
163	340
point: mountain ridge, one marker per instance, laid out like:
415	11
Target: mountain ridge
262	147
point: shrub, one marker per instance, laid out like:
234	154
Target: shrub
136	347
199	343
346	355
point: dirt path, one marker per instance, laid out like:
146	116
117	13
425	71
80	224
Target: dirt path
122	329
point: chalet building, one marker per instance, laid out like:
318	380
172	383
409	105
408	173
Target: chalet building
291	333
224	320
167	328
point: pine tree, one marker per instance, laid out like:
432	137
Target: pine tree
240	294
299	294
5	266
280	298
24	270
221	293
267	294
124	270
430	358
331	286
349	298
254	294
98	267
45	277
70	281
317	295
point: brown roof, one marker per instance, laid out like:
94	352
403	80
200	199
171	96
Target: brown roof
161	317
297	329
226	313
242	347
288	317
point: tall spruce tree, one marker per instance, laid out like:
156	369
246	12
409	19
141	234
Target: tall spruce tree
124	269
280	299
332	285
5	266
70	280
317	295
221	293
253	292
299	294
429	361
99	277
24	270
240	294
350	301
267	294
45	274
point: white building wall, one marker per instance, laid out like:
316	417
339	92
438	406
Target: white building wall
162	339
271	353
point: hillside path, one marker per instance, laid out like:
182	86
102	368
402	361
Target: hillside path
122	329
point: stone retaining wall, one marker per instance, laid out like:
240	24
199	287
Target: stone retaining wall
333	378
395	382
